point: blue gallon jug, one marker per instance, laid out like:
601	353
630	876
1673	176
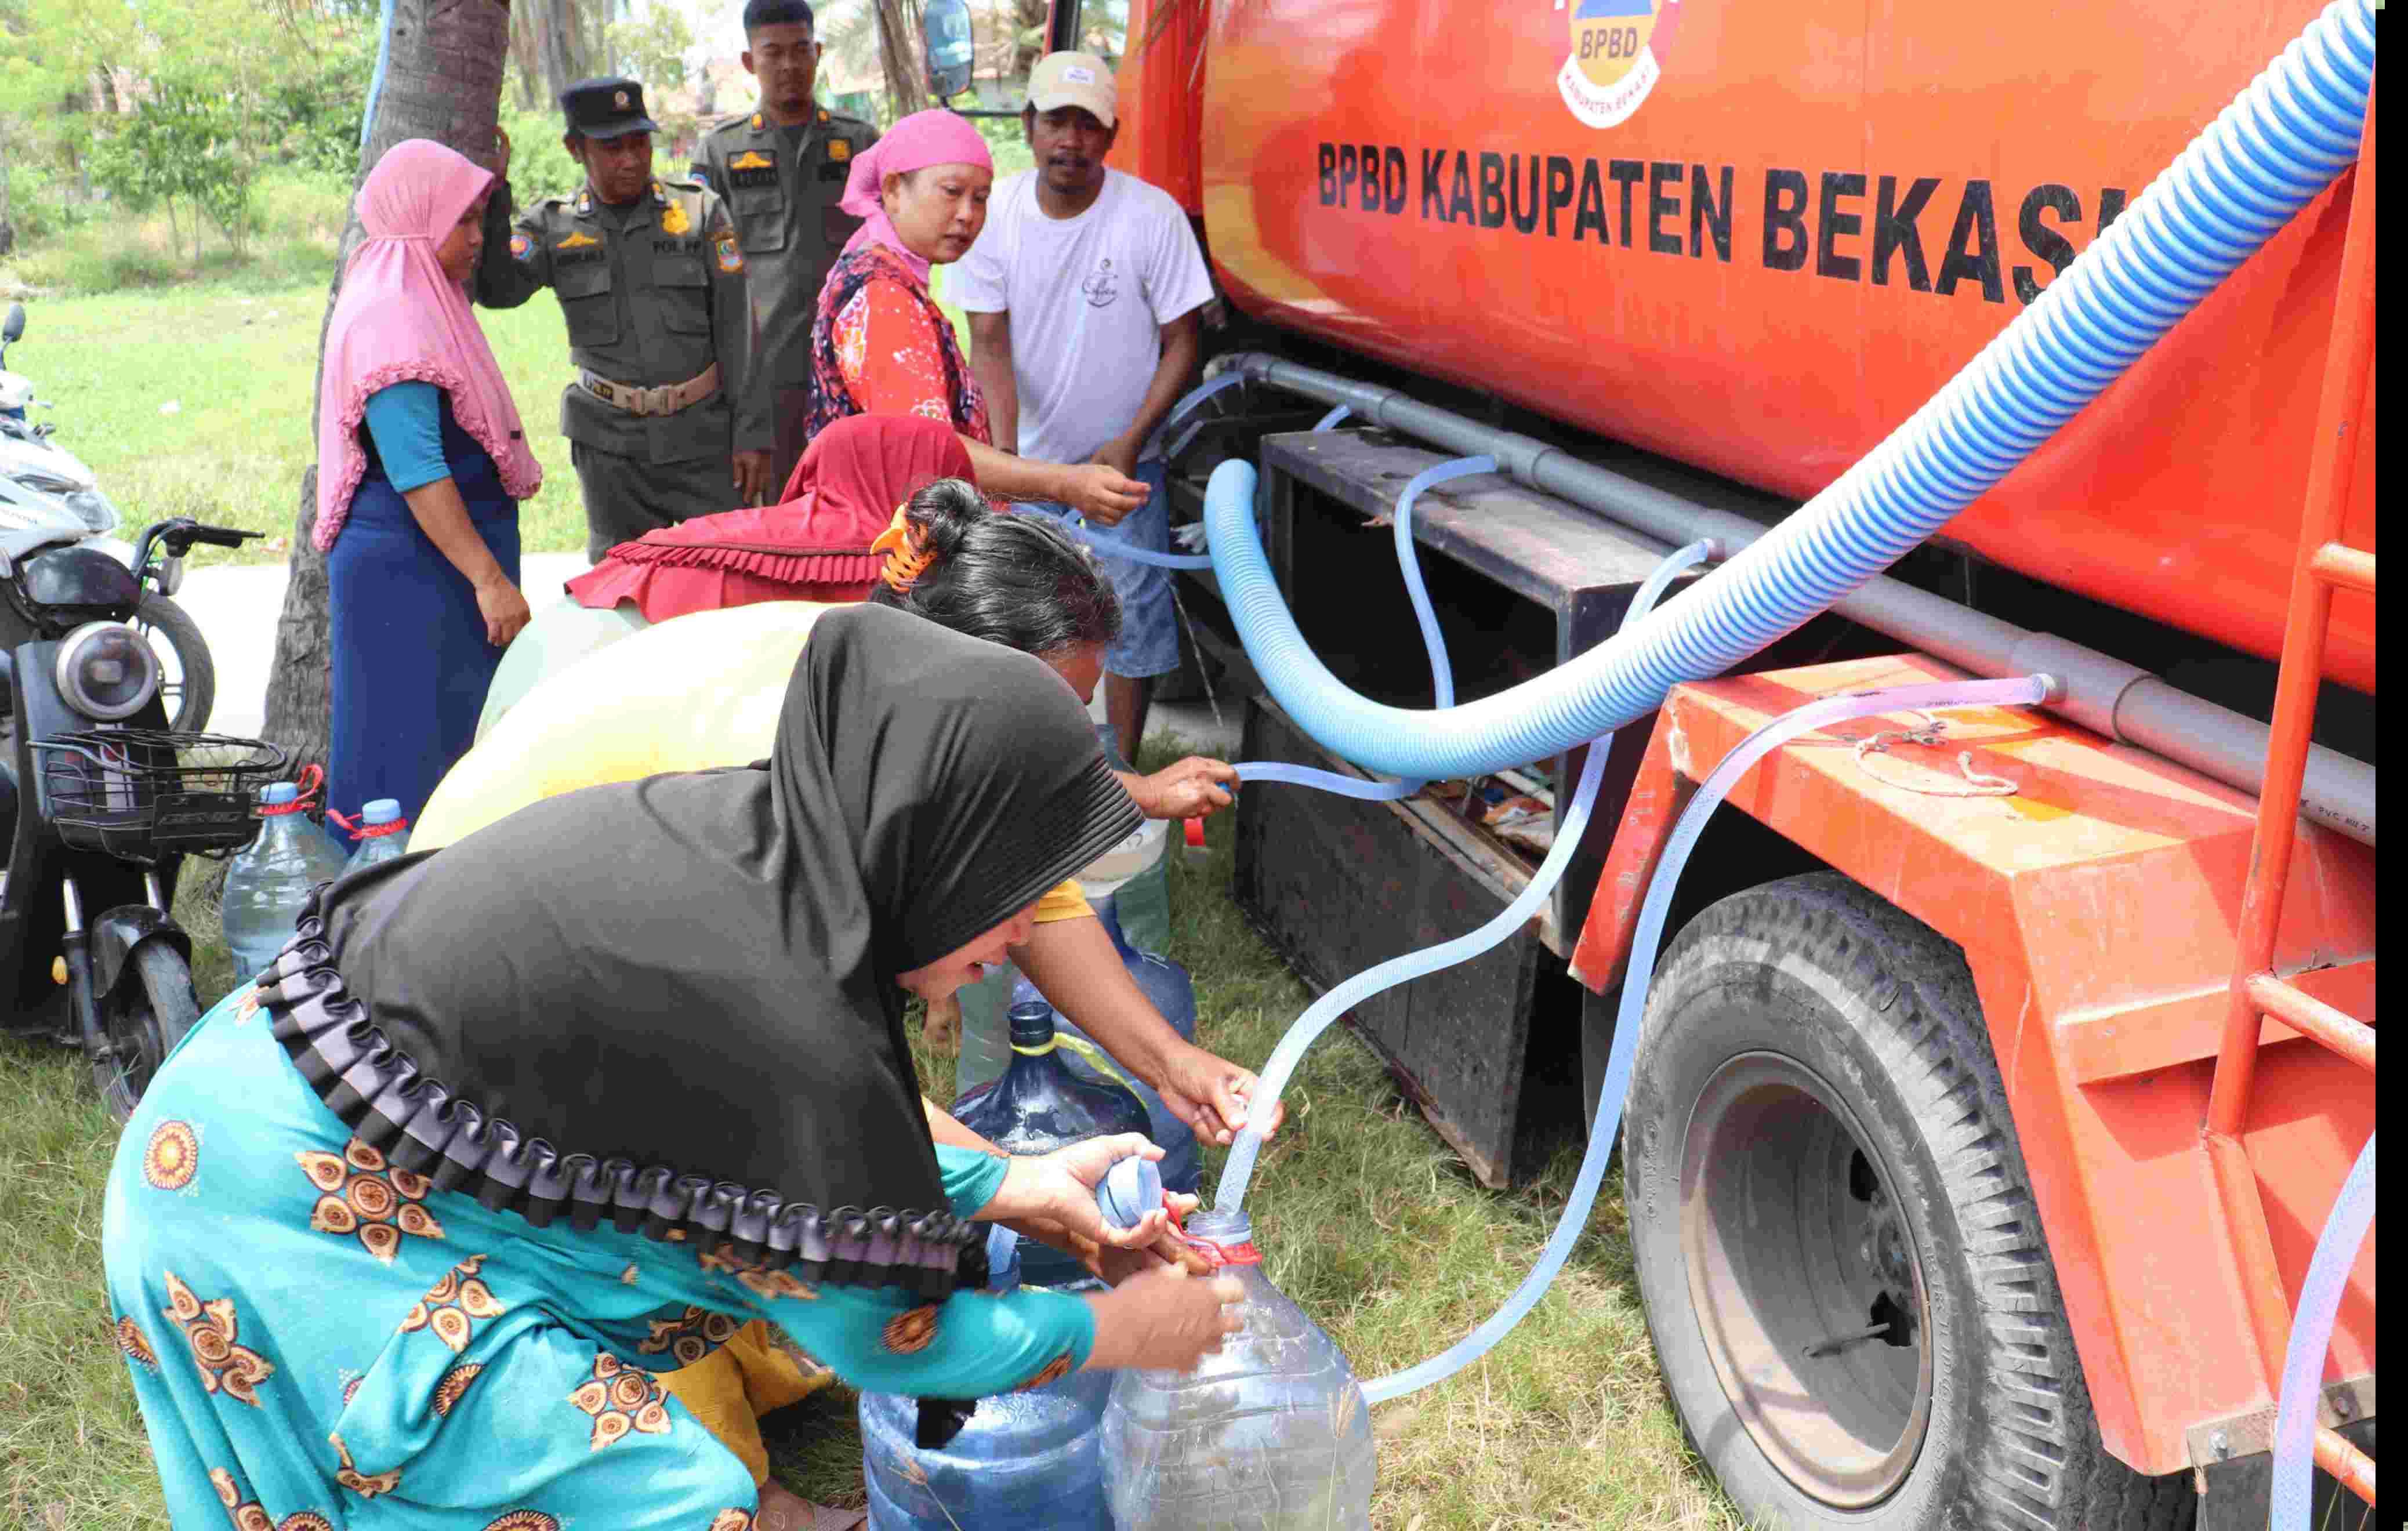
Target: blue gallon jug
1182	1162
1164	985
1041	1104
1025	1462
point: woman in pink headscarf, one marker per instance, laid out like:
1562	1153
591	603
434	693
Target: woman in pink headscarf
880	346
422	462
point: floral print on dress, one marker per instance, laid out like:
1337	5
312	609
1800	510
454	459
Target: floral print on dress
454	1305
880	346
731	1520
249	1515
777	1283
621	1398
366	1485
135	1347
1053	1372
525	1520
360	1194
909	1333
454	1384
689	1337
172	1156
210	1329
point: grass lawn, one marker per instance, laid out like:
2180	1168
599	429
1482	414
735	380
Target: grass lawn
238	362
1364	1216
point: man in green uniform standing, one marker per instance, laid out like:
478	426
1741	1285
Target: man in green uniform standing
650	278
781	171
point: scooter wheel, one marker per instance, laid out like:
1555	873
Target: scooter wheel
188	676
153	1008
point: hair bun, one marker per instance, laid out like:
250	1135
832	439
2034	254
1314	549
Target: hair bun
942	514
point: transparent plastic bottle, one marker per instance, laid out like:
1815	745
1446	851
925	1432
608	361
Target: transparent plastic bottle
271	876
384	835
1025	1462
1041	1104
1269	1434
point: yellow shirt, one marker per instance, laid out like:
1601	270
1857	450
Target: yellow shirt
693	693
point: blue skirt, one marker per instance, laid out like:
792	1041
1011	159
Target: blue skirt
410	661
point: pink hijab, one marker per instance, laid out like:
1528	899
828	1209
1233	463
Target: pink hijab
935	136
400	320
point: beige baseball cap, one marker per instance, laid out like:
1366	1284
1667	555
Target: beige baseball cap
1075	80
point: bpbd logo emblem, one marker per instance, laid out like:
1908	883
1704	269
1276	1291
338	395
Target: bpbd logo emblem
1618	47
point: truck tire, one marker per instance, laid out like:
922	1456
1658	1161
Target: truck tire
1818	1144
191	684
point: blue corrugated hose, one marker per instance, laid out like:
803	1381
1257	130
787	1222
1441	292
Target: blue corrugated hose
2267	156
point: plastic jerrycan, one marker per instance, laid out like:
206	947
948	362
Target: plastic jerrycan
271	876
1025	1462
1041	1104
1269	1434
384	835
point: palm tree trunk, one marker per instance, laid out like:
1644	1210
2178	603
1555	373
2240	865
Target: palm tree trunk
442	80
899	55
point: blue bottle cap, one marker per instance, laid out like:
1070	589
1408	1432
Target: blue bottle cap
1131	1189
384	811
279	792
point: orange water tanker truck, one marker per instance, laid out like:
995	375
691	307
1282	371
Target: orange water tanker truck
2001	1069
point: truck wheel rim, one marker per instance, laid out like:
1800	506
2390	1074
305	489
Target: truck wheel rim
1792	1240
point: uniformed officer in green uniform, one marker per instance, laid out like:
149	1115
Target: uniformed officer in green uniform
782	170
650	278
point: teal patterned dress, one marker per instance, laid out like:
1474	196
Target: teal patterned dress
321	1340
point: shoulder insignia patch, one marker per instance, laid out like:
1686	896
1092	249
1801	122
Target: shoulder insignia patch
751	159
756	121
731	260
674	220
824	114
521	247
839	149
578	239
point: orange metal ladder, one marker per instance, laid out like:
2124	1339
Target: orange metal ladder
2323	564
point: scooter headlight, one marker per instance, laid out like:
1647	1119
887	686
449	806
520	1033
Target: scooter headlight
107	671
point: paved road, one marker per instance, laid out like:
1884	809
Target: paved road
236	607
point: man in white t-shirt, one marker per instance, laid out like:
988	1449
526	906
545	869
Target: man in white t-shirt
1083	297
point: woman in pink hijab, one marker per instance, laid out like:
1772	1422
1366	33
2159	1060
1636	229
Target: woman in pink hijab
422	462
880	346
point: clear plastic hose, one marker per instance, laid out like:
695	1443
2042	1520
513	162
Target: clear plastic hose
1644	945
2312	1327
1231	1194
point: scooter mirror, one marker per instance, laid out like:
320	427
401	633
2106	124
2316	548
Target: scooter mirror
15	325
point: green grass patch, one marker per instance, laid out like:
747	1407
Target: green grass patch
1365	1217
237	356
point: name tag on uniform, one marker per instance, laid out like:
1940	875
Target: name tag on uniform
754	167
676	246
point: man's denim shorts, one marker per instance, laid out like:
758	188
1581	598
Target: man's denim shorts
1149	641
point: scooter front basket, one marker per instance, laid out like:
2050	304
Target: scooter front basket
141	793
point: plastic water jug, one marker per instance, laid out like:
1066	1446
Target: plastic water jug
1025	1462
1041	1104
1271	1434
271	876
384	835
1164	983
1183	1164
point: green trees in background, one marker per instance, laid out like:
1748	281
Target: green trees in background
179	104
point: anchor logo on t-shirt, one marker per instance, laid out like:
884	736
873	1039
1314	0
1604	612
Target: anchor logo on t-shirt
1102	288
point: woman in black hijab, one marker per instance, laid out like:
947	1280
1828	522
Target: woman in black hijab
507	1129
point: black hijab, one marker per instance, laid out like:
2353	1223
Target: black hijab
694	975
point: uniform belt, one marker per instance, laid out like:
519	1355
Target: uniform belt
667	399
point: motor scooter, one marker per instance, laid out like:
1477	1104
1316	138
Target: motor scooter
100	802
42	483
